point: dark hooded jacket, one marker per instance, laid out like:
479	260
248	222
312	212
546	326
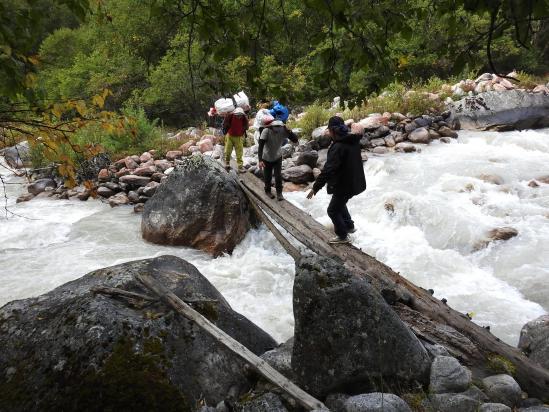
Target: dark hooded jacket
343	171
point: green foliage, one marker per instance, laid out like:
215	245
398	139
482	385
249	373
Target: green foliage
174	59
499	364
131	134
316	115
23	26
526	80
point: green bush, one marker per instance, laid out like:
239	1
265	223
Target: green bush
316	115
132	133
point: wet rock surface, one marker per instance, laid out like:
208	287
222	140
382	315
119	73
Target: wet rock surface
334	350
503	110
72	349
199	205
534	340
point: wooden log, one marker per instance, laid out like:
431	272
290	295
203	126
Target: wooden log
103	290
290	249
266	370
533	378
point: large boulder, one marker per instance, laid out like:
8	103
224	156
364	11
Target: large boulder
502	389
347	336
298	174
73	349
534	340
502	110
199	205
18	156
419	135
40	185
321	137
307	158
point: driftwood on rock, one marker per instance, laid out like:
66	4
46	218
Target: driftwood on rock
266	370
431	319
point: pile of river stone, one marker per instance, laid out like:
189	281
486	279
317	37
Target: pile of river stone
491	82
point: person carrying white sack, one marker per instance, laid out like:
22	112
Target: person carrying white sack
262	117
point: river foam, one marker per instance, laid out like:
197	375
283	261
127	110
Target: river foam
423	214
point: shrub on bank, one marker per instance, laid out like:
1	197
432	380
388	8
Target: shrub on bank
416	99
130	133
315	115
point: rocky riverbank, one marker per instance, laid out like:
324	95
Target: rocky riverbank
81	347
134	179
489	102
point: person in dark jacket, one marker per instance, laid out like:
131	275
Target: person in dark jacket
344	175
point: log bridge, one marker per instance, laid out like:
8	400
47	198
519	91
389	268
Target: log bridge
432	320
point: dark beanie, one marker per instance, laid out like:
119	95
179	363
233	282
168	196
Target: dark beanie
335	122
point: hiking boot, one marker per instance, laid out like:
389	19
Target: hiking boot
241	170
337	240
270	194
279	196
227	167
353	230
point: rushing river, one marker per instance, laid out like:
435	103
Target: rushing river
441	210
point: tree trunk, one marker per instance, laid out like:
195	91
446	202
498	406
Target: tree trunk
426	316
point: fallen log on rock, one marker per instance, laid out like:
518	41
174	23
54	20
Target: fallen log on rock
266	370
431	319
86	343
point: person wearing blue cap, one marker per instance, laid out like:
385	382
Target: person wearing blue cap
280	111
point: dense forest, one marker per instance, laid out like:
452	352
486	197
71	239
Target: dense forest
170	59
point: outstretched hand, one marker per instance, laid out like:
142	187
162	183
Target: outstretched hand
261	164
310	194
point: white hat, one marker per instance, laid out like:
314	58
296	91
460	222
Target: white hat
238	110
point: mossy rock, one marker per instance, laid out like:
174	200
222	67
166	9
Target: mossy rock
72	349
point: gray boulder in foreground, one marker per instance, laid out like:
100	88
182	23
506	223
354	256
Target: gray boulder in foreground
534	340
346	337
504	110
494	407
280	358
199	205
502	389
71	349
450	402
447	375
268	402
376	402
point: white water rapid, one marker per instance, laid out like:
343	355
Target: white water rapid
441	210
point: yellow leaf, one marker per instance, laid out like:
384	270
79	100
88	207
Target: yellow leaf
80	107
30	80
106	93
109	127
58	110
6	49
99	101
33	60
